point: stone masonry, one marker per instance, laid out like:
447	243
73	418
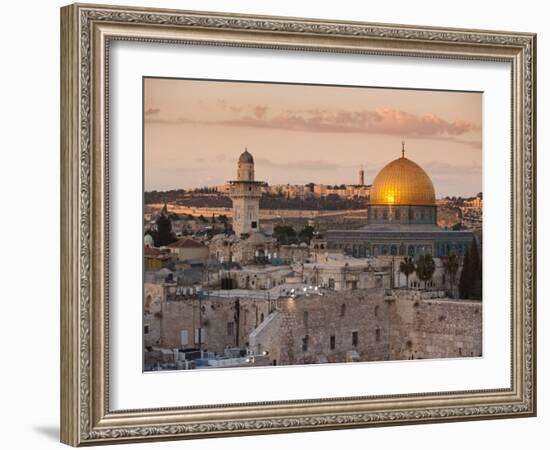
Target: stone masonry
358	325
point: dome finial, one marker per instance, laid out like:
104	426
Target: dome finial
402	149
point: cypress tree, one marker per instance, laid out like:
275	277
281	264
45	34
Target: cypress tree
475	262
465	283
164	234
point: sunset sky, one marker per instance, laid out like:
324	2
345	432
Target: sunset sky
195	131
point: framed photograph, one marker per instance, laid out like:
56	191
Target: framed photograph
276	225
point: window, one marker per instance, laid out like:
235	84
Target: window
184	338
306	317
376	308
202	333
146	329
354	338
254	224
305	341
377	335
230	328
343	310
332	342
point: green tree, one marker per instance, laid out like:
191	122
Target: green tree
285	234
465	283
306	234
475	262
451	265
470	285
163	234
225	221
407	267
425	268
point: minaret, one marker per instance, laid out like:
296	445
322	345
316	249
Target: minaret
245	193
361	177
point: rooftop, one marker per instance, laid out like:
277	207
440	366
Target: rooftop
185	243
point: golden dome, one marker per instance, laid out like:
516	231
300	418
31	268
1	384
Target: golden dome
402	182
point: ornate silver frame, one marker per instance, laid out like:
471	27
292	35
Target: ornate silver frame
86	31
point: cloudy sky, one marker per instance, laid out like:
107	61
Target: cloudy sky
195	130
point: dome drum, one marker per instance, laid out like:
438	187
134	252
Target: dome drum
402	215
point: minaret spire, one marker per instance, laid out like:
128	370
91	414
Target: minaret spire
402	149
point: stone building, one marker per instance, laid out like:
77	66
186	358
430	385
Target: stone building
245	193
259	277
339	273
221	322
188	249
154	258
249	250
402	218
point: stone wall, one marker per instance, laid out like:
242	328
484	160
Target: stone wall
154	296
426	325
360	325
226	322
316	329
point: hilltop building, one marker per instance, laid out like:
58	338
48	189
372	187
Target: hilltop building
402	218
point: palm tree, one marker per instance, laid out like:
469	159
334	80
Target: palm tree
450	265
425	268
407	267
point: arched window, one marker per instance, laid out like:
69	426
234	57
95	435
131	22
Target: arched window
376	308
343	310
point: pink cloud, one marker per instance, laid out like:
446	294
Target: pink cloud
379	121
